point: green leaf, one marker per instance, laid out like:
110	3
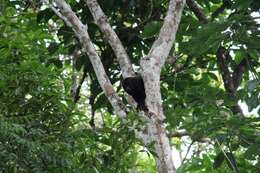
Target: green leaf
254	54
253	42
151	29
213	76
241	4
239	55
252	152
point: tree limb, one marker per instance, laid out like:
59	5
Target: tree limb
222	58
231	85
178	134
151	67
231	81
76	90
163	44
238	73
101	20
187	152
182	133
151	75
81	32
228	78
197	11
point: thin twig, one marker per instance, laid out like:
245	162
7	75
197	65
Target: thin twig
230	162
188	150
76	95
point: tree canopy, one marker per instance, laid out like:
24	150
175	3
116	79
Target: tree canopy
56	117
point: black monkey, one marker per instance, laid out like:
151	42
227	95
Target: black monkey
134	86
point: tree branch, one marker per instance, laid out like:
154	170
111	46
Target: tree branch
101	20
178	134
76	89
57	12
151	67
187	152
182	133
81	32
222	57
197	11
91	102
238	73
151	75
231	82
230	86
163	44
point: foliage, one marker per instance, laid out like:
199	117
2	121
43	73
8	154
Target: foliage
42	130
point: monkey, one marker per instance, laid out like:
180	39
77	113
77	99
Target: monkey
134	86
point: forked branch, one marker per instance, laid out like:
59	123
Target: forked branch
102	21
64	12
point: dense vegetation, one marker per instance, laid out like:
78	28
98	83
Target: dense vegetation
214	64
